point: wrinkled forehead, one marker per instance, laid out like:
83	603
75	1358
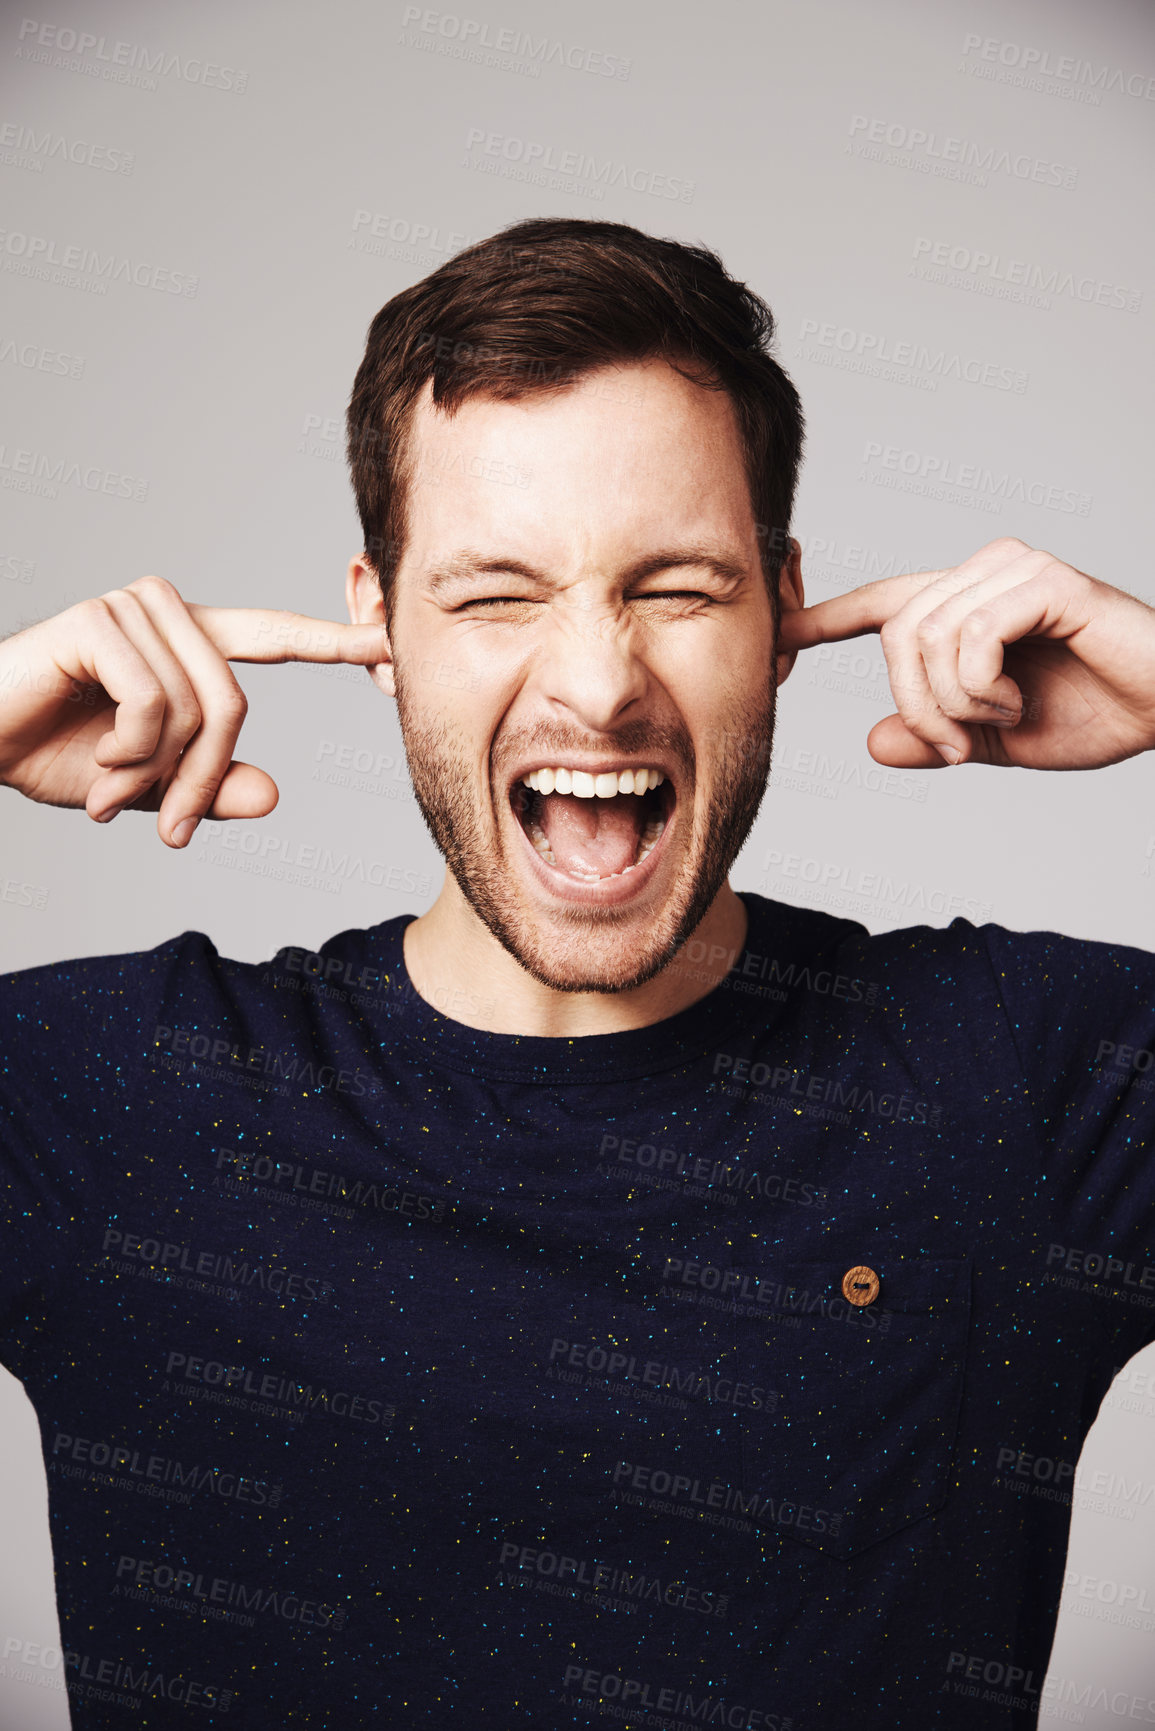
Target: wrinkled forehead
622	456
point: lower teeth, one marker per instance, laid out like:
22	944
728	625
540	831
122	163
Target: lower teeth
537	836
650	838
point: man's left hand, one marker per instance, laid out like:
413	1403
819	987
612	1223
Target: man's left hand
1011	658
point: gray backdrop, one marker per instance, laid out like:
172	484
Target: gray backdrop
942	204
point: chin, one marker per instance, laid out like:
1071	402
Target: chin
593	947
582	966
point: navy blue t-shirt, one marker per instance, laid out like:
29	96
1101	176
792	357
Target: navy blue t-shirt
730	1371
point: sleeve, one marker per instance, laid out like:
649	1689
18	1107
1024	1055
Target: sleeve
75	1040
1082	1019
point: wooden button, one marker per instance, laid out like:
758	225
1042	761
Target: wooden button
860	1286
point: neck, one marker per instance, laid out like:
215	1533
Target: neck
448	950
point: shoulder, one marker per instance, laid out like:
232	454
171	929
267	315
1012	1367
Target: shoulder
185	980
962	944
954	981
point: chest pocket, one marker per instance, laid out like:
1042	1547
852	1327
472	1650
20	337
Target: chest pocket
863	1430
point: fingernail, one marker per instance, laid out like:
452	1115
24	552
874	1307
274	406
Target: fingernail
1004	717
183	831
949	752
108	816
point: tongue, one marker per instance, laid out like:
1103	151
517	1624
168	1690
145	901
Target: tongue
599	836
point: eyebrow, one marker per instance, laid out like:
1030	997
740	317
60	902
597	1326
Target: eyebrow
465	565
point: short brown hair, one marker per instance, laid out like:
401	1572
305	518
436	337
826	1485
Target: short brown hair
535	307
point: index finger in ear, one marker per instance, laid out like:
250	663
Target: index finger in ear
854	614
269	634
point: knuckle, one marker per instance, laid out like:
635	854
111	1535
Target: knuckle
1009	544
111	599
1050	565
157	587
932	630
972	683
979	622
143	695
185	716
150	686
148	698
233	706
94	612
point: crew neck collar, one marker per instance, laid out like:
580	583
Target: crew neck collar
630	1052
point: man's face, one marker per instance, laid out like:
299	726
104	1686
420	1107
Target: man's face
582	597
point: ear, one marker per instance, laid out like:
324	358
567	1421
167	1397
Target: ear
366	606
790	599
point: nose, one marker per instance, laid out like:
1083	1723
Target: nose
588	664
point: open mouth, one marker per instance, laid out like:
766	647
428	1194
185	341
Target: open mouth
589	826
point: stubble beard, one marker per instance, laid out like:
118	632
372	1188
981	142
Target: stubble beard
602	957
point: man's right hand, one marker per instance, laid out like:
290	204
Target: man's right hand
128	700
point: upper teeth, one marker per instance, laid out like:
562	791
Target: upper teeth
586	786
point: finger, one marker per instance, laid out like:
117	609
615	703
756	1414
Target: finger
128	783
967	688
179	697
870	606
1019	611
918	707
891	742
245	792
204	763
270	635
102	654
853	614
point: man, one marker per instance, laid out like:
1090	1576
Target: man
673	1328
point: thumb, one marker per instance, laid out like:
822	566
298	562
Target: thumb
245	792
890	741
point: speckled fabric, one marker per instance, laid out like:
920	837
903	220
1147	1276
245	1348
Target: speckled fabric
393	1373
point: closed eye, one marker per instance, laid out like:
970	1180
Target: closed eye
674	595
686	596
496	601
